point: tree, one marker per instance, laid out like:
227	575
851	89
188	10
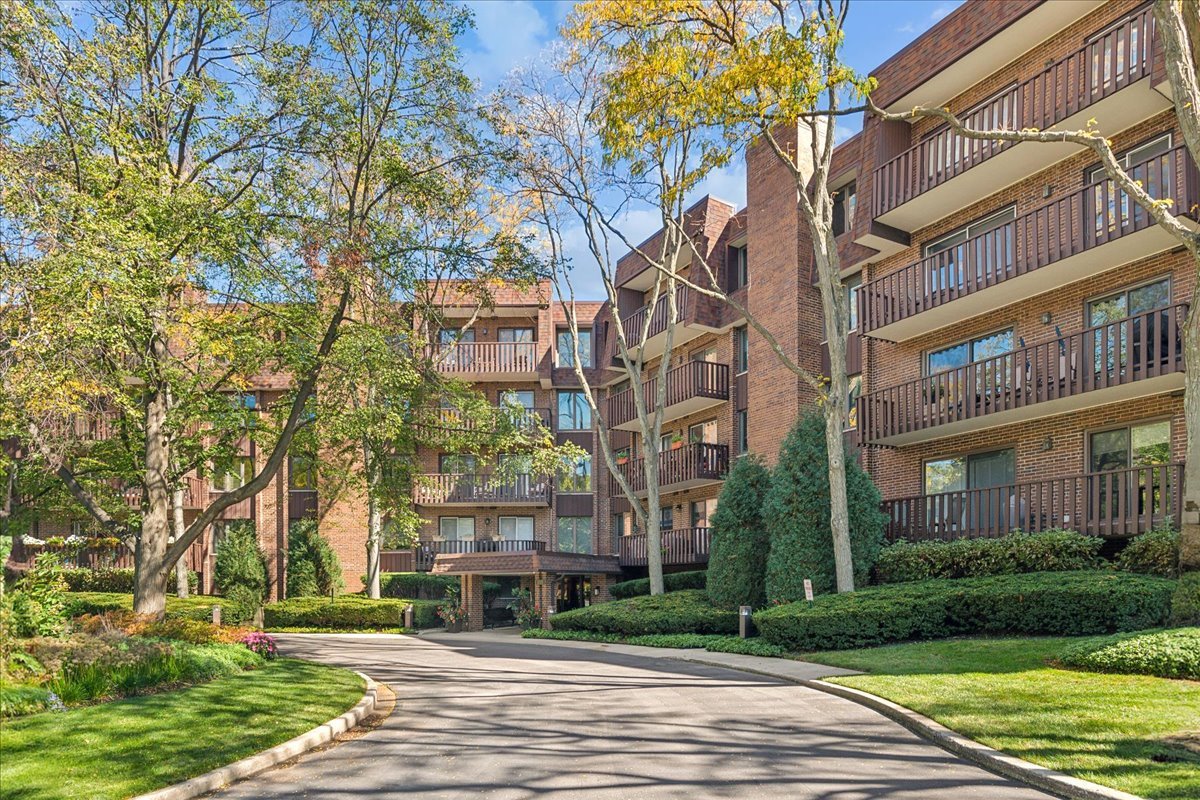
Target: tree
573	178
313	567
737	560
1178	25
722	75
173	225
797	515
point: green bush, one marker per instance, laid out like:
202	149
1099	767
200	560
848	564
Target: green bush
796	510
415	585
1049	551
1185	603
197	607
1048	603
348	612
575	636
684	611
240	573
38	606
312	567
737	561
1167	654
17	699
114	579
746	647
1153	553
716	643
672	582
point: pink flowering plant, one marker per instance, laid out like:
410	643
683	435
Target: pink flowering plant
261	643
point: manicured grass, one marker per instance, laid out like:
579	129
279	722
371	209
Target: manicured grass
132	746
1104	728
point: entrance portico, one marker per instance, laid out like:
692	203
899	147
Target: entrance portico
557	581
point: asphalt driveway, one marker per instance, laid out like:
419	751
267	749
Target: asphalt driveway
497	717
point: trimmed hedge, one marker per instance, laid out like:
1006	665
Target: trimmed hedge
1185	604
196	607
116	579
1049	551
684	611
348	612
737	560
1049	603
715	643
415	585
1165	654
1152	553
672	582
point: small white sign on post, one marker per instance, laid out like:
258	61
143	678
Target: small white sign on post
808	593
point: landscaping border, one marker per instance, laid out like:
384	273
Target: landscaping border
252	765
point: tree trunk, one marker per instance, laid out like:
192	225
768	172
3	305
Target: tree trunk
1189	534
181	573
374	530
654	556
150	575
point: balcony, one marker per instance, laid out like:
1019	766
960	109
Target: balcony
686	546
1085	233
487	361
442	423
424	554
685	467
1135	357
1107	79
691	388
688	324
1117	504
195	494
467	489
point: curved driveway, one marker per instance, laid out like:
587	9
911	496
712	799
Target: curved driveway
502	718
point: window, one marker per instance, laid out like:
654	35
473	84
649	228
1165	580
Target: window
854	394
232	474
456	464
1112	350
666	440
447	336
520	398
457	529
515	334
705	432
1141	445
302	473
741	432
969	352
566	353
845	201
976	471
620	524
738	267
666	519
1113	208
741	350
708	354
852	286
575	534
577	476
959	508
573	412
1130	302
248	401
946	255
702	511
514	529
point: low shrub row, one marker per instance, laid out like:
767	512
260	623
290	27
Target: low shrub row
198	607
1185	604
716	643
81	579
672	582
683	611
1166	654
415	585
348	612
1051	603
1049	551
1153	553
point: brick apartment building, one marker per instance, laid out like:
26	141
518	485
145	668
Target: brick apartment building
1015	350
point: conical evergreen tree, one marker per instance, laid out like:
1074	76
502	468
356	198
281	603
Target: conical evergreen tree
796	511
737	561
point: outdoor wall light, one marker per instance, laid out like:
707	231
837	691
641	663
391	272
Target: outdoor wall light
1048	443
1046	318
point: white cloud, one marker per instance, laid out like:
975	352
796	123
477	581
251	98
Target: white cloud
509	34
907	27
940	12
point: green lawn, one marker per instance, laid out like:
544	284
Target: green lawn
132	746
1104	728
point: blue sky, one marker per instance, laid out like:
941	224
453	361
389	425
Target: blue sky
508	33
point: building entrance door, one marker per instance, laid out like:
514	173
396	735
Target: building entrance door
573	591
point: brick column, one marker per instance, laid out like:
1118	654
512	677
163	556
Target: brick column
600	585
543	595
472	598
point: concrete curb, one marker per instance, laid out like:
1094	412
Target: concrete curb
1044	778
252	765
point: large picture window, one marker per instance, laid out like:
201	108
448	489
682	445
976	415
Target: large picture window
577	476
945	256
566	353
575	534
457	529
232	473
513	529
970	351
574	414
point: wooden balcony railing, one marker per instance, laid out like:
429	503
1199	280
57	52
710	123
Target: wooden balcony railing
680	546
685	382
425	552
486	357
451	421
1102	67
658	323
698	461
1128	350
1123	502
1088	218
302	504
463	488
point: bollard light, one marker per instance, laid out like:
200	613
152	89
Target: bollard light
745	621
